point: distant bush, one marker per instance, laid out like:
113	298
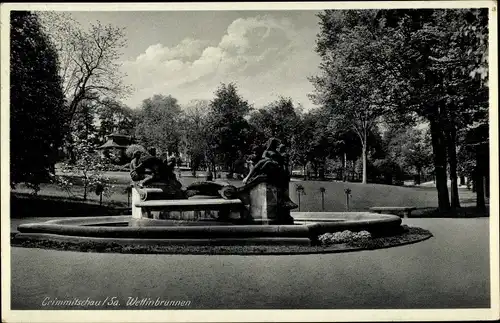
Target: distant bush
386	171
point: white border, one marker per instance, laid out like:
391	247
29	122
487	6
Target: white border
248	315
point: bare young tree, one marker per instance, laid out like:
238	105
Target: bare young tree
88	59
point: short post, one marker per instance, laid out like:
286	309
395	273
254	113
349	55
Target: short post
128	191
99	189
322	190
129	195
347	195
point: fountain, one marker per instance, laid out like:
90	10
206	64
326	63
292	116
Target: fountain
211	213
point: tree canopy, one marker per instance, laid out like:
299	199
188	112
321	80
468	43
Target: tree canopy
229	132
158	124
36	100
350	84
403	66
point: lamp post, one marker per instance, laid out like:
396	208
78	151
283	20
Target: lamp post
322	190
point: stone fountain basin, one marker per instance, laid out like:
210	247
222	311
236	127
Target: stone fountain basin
308	226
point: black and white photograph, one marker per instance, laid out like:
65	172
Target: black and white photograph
176	161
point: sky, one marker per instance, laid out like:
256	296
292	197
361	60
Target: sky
188	54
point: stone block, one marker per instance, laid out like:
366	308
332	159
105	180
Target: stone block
136	198
263	199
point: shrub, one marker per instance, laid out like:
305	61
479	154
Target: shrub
343	237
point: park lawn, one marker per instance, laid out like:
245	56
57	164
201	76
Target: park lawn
363	196
116	195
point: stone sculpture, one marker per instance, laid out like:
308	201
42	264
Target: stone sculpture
152	172
265	193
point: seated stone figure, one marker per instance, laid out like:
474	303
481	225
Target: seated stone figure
136	173
155	178
272	169
268	165
151	171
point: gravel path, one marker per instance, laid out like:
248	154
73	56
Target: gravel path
450	270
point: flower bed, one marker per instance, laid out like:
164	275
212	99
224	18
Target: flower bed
343	237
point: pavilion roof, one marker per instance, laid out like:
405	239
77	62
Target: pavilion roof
111	144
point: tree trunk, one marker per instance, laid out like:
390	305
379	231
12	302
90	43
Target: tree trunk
344	169
363	156
321	171
419	175
487	186
452	160
439	158
214	170
85	191
480	201
479	180
353	170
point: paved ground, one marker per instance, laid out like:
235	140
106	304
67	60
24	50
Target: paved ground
450	270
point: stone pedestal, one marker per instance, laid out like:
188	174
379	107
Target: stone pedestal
194	211
266	205
136	211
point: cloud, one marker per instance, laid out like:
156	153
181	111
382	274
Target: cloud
187	48
264	56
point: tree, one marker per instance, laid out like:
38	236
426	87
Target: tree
474	159
229	131
89	168
434	60
345	144
88	63
350	85
301	149
195	133
159	124
389	169
278	119
88	58
36	101
315	141
463	91
471	28
410	148
115	117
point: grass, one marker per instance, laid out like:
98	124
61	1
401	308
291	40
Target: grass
363	196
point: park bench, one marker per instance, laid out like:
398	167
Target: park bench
212	204
394	209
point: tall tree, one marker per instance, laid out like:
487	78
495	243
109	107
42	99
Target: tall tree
278	119
350	85
84	126
432	58
36	101
195	133
158	124
88	63
410	148
115	117
229	133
